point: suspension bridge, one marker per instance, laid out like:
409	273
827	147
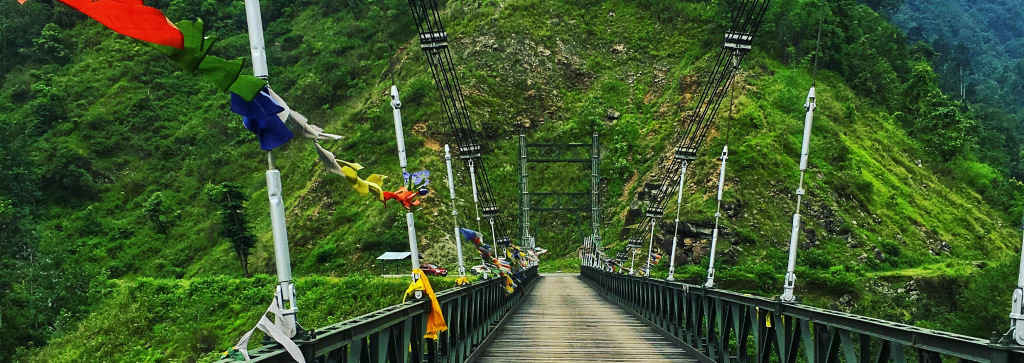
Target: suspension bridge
613	311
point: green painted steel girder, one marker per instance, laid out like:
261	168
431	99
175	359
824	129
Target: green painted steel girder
725	326
395	333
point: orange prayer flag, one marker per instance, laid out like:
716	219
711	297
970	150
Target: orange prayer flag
21	1
131	18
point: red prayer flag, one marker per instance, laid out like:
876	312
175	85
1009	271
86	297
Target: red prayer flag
404	196
131	18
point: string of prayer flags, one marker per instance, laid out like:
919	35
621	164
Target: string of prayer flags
186	42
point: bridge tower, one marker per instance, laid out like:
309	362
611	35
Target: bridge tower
560	198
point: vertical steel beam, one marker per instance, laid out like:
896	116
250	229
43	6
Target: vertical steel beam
524	198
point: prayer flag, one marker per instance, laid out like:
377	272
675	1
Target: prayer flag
471	235
349	171
131	18
276	329
226	75
404	196
308	130
260	117
435	321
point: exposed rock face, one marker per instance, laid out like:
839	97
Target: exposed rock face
693	240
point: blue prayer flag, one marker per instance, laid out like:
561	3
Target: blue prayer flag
260	117
471	235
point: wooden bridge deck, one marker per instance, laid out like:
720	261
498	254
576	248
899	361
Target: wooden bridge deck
565	320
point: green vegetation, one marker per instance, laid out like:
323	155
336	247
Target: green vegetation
197	319
975	50
107	150
234	226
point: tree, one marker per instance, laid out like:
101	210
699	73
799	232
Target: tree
49	46
887	7
159	213
233	224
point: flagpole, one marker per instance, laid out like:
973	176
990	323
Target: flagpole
285	288
455	212
410	222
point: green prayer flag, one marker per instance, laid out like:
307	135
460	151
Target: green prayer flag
247	86
221	72
196	44
194	57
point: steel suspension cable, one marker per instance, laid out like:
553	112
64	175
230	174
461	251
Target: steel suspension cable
746	20
434	42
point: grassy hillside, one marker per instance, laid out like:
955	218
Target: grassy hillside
96	134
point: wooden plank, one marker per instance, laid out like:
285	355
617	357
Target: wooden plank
564	320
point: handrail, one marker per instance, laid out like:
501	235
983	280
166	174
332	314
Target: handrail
395	333
727	326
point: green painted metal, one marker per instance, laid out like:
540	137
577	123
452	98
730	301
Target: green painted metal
395	333
726	326
559	200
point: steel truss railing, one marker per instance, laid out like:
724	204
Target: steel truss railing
725	326
395	333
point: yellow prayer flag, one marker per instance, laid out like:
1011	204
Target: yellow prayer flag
435	321
349	171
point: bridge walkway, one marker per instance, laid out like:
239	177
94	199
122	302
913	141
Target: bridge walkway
564	320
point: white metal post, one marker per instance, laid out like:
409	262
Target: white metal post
455	211
254	20
494	237
675	235
650	248
790	284
286	289
631	261
410	222
1017	309
595	217
476	200
718	214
